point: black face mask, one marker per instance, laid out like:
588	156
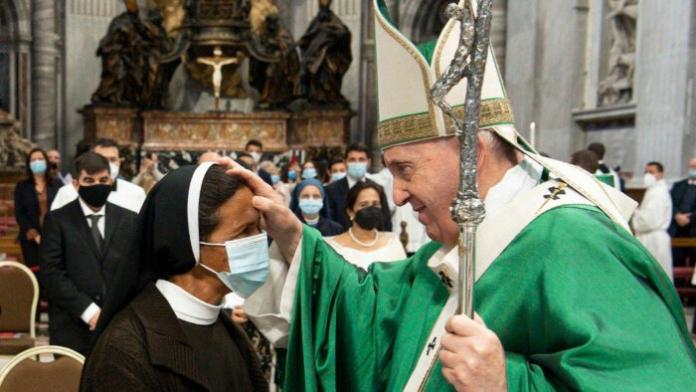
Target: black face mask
94	195
370	218
53	166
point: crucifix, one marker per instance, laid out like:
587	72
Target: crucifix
217	62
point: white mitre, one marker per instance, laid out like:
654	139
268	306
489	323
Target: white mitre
405	74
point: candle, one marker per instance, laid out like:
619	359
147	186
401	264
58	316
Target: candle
532	134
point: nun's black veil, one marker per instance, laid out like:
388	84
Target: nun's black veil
164	242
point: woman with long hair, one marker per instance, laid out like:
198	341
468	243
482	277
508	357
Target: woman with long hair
33	197
365	242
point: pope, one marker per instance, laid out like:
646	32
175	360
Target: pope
566	298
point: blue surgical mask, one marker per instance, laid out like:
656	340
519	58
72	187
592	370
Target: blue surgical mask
308	173
292	175
357	170
692	173
338	176
38	167
311	206
275	179
248	261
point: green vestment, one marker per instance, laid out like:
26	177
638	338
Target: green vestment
607	179
576	301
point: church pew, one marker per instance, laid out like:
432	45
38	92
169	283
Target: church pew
682	275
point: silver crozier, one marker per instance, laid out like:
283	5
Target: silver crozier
468	63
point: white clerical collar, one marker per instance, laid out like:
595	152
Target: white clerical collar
87	210
187	307
519	179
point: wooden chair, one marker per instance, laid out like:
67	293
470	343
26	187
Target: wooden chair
19	296
26	373
682	275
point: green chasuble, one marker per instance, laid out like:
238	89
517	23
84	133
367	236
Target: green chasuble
576	301
607	179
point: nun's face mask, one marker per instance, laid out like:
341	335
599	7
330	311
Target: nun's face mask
237	251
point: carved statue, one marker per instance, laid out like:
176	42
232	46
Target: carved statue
13	148
278	81
217	62
326	57
260	11
133	74
617	87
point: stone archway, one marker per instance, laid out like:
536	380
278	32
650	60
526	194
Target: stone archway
15	39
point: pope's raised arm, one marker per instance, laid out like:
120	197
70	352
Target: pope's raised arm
277	219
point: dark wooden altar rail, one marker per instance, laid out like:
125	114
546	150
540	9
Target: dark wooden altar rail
8	226
682	275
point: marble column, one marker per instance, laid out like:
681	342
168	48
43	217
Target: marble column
43	73
368	109
664	85
499	32
86	23
522	54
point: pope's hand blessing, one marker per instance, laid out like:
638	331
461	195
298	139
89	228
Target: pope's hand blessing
276	218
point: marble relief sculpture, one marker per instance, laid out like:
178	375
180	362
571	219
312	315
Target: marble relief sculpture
13	147
617	87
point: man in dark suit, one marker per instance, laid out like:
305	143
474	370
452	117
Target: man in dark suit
604	172
683	208
83	243
358	160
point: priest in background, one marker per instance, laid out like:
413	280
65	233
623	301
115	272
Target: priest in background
124	194
652	218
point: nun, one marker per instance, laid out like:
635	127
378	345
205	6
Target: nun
311	208
198	239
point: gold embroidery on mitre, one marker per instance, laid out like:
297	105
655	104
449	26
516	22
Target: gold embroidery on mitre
408	47
419	126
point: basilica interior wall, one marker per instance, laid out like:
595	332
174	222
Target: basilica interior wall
554	55
15	61
663	85
558	56
86	22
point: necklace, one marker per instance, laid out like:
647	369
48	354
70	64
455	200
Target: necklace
365	244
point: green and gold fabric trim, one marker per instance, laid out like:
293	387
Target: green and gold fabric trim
419	126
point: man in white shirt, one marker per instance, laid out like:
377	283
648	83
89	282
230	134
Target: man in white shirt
54	161
83	242
125	194
652	218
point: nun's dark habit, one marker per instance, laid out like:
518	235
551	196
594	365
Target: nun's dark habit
142	345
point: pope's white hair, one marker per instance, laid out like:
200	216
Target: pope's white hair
498	146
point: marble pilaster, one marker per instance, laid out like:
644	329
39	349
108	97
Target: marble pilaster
499	32
44	56
86	23
664	88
